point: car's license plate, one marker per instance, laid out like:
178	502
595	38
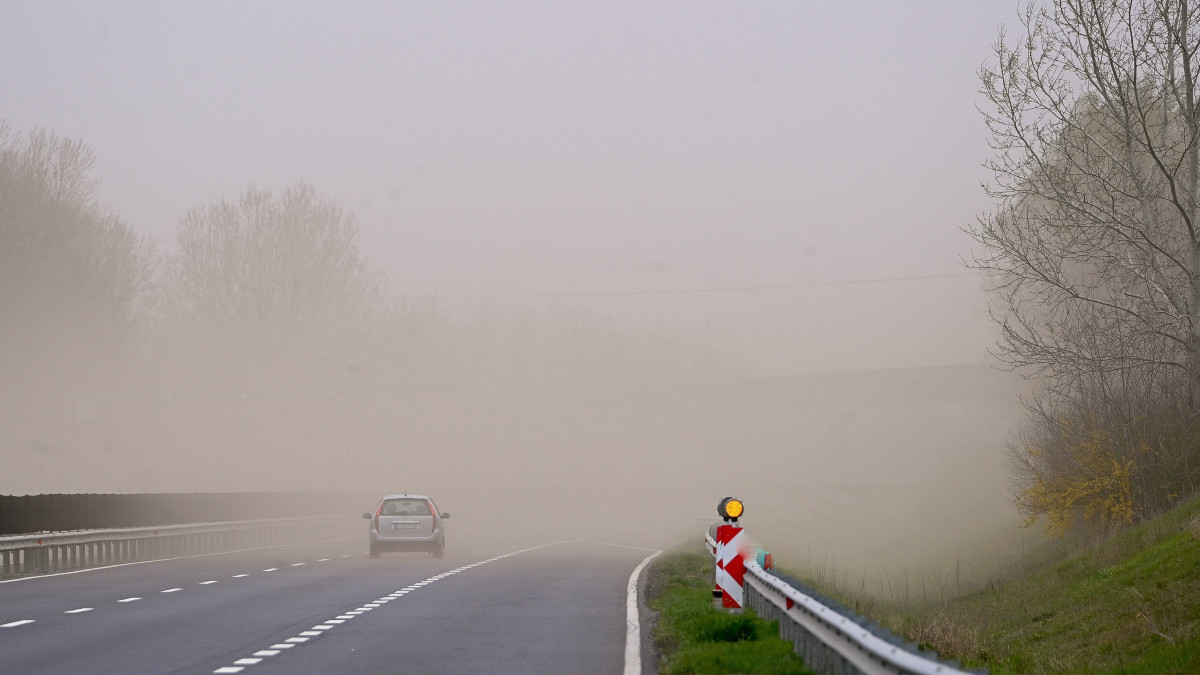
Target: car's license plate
404	526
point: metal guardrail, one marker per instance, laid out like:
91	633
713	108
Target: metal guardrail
827	640
63	551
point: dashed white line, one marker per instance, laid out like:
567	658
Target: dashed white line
323	560
14	624
129	600
239	576
205	583
81	610
171	590
320	629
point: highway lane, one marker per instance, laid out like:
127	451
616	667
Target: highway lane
489	606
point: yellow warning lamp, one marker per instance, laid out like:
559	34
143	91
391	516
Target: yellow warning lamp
730	508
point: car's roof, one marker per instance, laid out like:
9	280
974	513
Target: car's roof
408	496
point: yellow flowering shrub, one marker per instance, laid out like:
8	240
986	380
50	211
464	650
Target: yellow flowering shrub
1084	476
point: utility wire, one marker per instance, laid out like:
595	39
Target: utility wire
696	291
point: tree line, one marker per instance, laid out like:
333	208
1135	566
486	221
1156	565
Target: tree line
265	292
1092	253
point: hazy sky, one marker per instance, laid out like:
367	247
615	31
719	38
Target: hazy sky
516	148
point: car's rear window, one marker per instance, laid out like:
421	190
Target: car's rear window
406	507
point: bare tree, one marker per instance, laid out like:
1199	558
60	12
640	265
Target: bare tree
1094	248
267	272
72	276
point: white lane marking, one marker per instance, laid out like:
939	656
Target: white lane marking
171	590
348	555
633	633
14	624
182	557
322	559
298	564
205	583
271	569
267	652
229	669
246	662
81	610
282	645
129	600
635	548
335	621
320	629
239	576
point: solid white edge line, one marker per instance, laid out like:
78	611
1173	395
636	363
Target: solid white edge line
305	636
633	635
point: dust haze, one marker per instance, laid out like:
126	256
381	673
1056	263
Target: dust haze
623	259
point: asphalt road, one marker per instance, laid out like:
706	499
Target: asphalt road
552	601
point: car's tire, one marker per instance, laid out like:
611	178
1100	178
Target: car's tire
440	551
374	551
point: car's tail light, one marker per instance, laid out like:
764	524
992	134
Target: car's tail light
377	512
433	510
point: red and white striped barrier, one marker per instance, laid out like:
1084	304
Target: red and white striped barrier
731	565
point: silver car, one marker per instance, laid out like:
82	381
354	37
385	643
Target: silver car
407	523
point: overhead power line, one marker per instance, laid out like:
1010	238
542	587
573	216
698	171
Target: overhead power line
715	289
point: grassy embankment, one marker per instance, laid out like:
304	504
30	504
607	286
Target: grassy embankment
1125	604
694	638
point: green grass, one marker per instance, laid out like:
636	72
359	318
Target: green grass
693	637
1127	604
